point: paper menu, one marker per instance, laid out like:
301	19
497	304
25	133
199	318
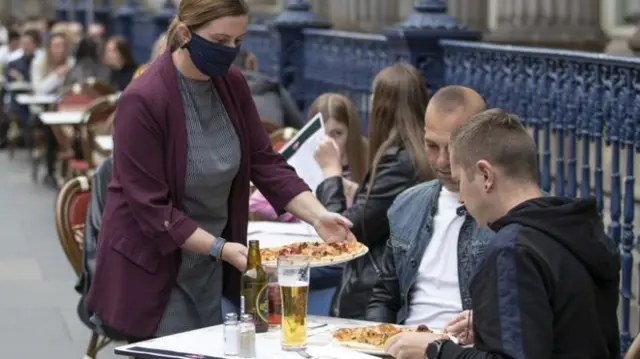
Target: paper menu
299	152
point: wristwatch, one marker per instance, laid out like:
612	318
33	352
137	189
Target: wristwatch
216	248
433	349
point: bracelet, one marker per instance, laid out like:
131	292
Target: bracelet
216	247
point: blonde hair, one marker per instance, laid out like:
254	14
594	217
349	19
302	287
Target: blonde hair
50	66
198	13
158	47
341	109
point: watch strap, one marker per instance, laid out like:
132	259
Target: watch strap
216	247
434	348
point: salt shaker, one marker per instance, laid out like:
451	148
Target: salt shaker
247	337
231	335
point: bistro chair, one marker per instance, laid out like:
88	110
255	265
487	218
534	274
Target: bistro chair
71	209
77	97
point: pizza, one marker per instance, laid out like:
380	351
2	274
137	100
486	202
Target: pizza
372	337
320	252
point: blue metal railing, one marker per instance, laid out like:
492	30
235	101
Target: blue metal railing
583	109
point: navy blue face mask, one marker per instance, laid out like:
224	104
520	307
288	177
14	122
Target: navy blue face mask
210	58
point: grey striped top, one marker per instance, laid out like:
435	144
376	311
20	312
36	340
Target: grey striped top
212	163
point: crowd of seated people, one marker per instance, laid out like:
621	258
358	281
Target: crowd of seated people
52	57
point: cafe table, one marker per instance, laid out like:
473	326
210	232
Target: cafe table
105	142
208	343
36	100
58	118
18	86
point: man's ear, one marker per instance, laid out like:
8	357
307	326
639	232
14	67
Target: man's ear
486	170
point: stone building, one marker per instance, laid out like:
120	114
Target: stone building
594	25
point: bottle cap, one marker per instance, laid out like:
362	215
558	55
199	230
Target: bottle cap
231	316
247	318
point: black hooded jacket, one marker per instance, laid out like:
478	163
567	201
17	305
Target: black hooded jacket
548	287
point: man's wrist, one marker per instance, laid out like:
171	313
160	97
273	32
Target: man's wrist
433	349
216	247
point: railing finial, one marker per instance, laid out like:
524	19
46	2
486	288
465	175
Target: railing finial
431	14
300	13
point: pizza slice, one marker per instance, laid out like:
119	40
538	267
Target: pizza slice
372	338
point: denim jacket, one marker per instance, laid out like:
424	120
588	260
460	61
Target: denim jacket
411	226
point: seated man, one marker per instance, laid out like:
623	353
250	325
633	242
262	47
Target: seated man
272	100
548	284
434	246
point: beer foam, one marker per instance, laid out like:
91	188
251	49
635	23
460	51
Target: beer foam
292	282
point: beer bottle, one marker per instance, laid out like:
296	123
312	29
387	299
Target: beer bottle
254	289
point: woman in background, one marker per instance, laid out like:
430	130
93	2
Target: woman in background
341	123
49	71
398	161
88	64
118	56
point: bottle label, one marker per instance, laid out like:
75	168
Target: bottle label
262	304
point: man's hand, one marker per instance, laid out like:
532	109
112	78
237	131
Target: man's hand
333	227
461	327
410	345
235	254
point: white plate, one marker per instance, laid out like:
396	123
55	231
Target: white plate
365	250
371	351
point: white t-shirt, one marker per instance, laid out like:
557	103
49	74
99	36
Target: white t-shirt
435	298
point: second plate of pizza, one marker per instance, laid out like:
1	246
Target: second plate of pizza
322	254
372	339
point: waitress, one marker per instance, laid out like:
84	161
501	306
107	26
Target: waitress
188	140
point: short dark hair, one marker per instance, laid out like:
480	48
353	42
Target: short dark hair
34	35
451	98
500	138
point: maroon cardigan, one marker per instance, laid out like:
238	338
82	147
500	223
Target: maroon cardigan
139	253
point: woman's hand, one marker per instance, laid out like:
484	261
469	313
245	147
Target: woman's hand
329	158
235	254
62	71
333	227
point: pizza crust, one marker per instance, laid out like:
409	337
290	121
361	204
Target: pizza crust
359	346
358	250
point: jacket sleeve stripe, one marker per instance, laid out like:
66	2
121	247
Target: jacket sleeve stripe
508	307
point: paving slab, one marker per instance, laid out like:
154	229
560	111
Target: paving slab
37	299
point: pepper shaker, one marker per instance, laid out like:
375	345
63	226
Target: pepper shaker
247	337
231	335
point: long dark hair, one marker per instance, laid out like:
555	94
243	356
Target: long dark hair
88	48
123	47
397	116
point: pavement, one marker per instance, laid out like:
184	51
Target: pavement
37	300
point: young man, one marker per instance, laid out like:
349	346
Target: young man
548	285
433	246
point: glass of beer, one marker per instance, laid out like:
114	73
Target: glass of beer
293	279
